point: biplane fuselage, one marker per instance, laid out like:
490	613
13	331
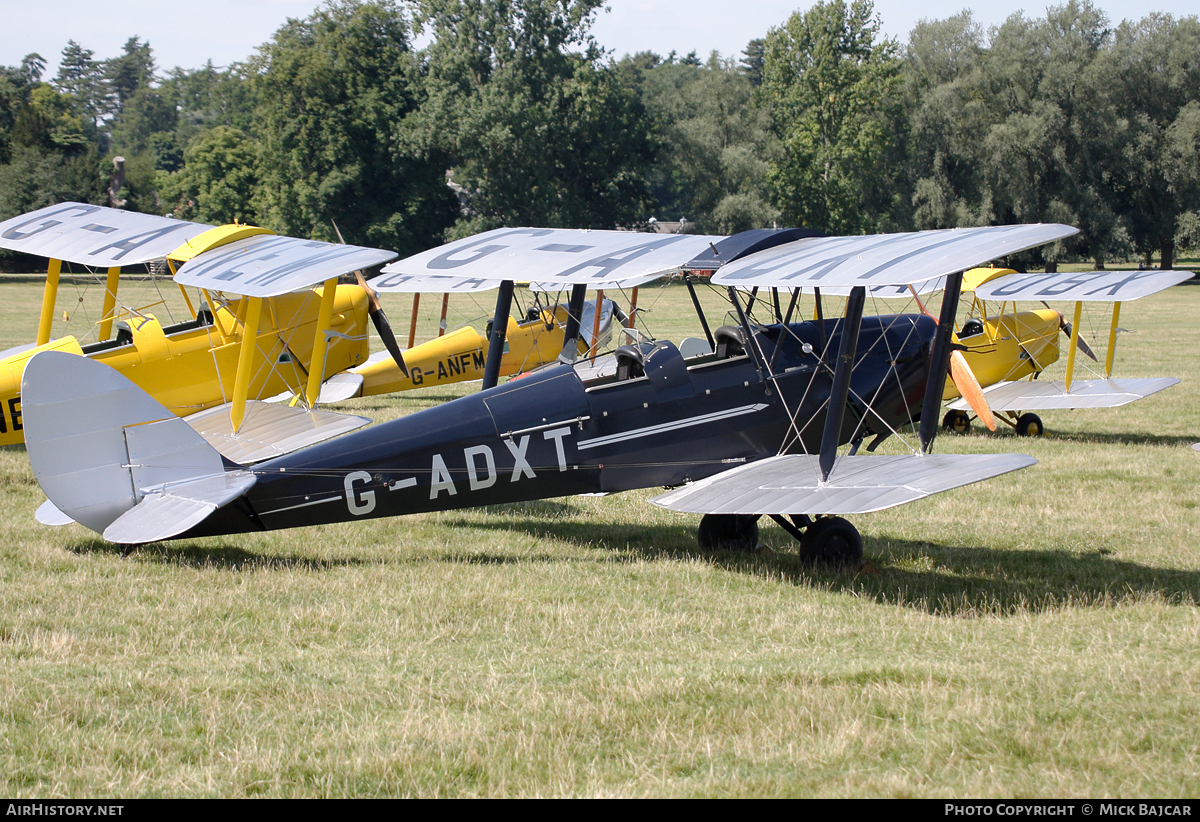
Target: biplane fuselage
552	434
192	366
1011	346
461	355
199	364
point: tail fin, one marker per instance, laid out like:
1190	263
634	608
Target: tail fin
112	458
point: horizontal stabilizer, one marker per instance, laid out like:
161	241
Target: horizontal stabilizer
1047	395
790	484
270	430
341	387
95	439
337	388
173	508
48	514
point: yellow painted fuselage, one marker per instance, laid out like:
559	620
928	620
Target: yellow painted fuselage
191	366
1010	347
460	356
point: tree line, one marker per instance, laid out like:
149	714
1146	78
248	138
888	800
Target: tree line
514	115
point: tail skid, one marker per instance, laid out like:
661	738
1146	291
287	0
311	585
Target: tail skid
112	458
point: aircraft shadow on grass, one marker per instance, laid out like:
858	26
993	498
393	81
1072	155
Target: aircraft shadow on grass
1126	438
938	579
957	579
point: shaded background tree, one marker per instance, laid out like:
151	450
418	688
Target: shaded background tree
716	142
335	97
822	122
539	134
1153	74
831	83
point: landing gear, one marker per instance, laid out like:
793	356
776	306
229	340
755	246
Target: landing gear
829	541
832	541
728	532
1029	425
957	422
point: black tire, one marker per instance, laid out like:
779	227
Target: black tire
1029	425
957	422
728	532
832	542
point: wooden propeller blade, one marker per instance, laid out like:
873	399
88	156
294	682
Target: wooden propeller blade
968	386
1080	343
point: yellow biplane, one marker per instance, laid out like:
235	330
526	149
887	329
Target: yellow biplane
1009	349
309	332
533	340
253	284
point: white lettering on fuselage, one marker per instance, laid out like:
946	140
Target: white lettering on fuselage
360	502
441	478
520	464
473	471
557	435
480	465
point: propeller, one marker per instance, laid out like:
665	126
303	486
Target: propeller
382	326
1080	343
963	378
378	318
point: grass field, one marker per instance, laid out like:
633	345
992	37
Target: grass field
1033	636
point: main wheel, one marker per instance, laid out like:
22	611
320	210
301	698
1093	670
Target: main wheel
957	421
832	541
728	532
1029	425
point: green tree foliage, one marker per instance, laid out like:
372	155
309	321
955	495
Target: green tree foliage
336	94
716	143
1154	79
218	179
946	120
1051	140
81	80
1022	130
127	74
751	64
830	84
540	134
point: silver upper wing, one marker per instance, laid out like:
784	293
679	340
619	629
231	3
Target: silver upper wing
267	265
884	259
557	255
96	236
396	282
1087	286
889	292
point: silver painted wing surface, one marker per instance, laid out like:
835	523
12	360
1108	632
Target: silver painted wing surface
270	430
884	259
790	484
556	255
96	236
1087	286
1045	395
268	266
